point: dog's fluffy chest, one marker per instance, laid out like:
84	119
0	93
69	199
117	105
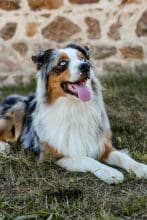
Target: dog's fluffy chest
74	129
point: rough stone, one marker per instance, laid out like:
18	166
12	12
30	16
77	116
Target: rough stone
94	31
132	52
114	31
83	1
8	31
9	5
101	52
46	15
129	1
18	79
60	29
31	29
8	66
141	29
39	46
45	4
20	47
3	77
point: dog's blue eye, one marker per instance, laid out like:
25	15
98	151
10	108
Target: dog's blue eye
62	63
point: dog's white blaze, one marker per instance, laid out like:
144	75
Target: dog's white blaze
74	63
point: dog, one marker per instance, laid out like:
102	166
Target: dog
66	119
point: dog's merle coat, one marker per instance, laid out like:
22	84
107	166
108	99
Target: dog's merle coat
28	137
66	118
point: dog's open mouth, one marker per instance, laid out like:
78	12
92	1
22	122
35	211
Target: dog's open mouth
77	88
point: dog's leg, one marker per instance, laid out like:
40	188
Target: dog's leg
83	164
4	134
120	159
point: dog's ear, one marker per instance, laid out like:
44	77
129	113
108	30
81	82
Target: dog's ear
38	59
42	57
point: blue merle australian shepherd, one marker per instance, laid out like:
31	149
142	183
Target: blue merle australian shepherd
66	119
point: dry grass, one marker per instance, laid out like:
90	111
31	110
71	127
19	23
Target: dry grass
29	190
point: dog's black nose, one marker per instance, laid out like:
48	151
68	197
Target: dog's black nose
84	70
84	67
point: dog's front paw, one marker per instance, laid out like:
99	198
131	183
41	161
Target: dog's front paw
141	171
110	176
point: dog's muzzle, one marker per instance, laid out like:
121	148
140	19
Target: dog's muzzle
84	70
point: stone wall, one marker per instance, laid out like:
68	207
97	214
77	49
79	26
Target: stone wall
114	30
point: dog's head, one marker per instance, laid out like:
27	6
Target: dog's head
65	72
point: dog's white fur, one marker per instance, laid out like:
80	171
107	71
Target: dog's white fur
82	146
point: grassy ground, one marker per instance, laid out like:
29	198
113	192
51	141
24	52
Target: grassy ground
29	190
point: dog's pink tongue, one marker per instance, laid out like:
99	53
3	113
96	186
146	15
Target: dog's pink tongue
83	92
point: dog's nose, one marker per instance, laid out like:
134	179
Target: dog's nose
84	67
85	70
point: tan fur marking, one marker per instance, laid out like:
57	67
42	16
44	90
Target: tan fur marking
129	1
5	130
19	114
48	153
63	57
107	151
80	55
54	86
107	147
54	82
13	118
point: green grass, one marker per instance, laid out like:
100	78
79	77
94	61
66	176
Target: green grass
29	190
